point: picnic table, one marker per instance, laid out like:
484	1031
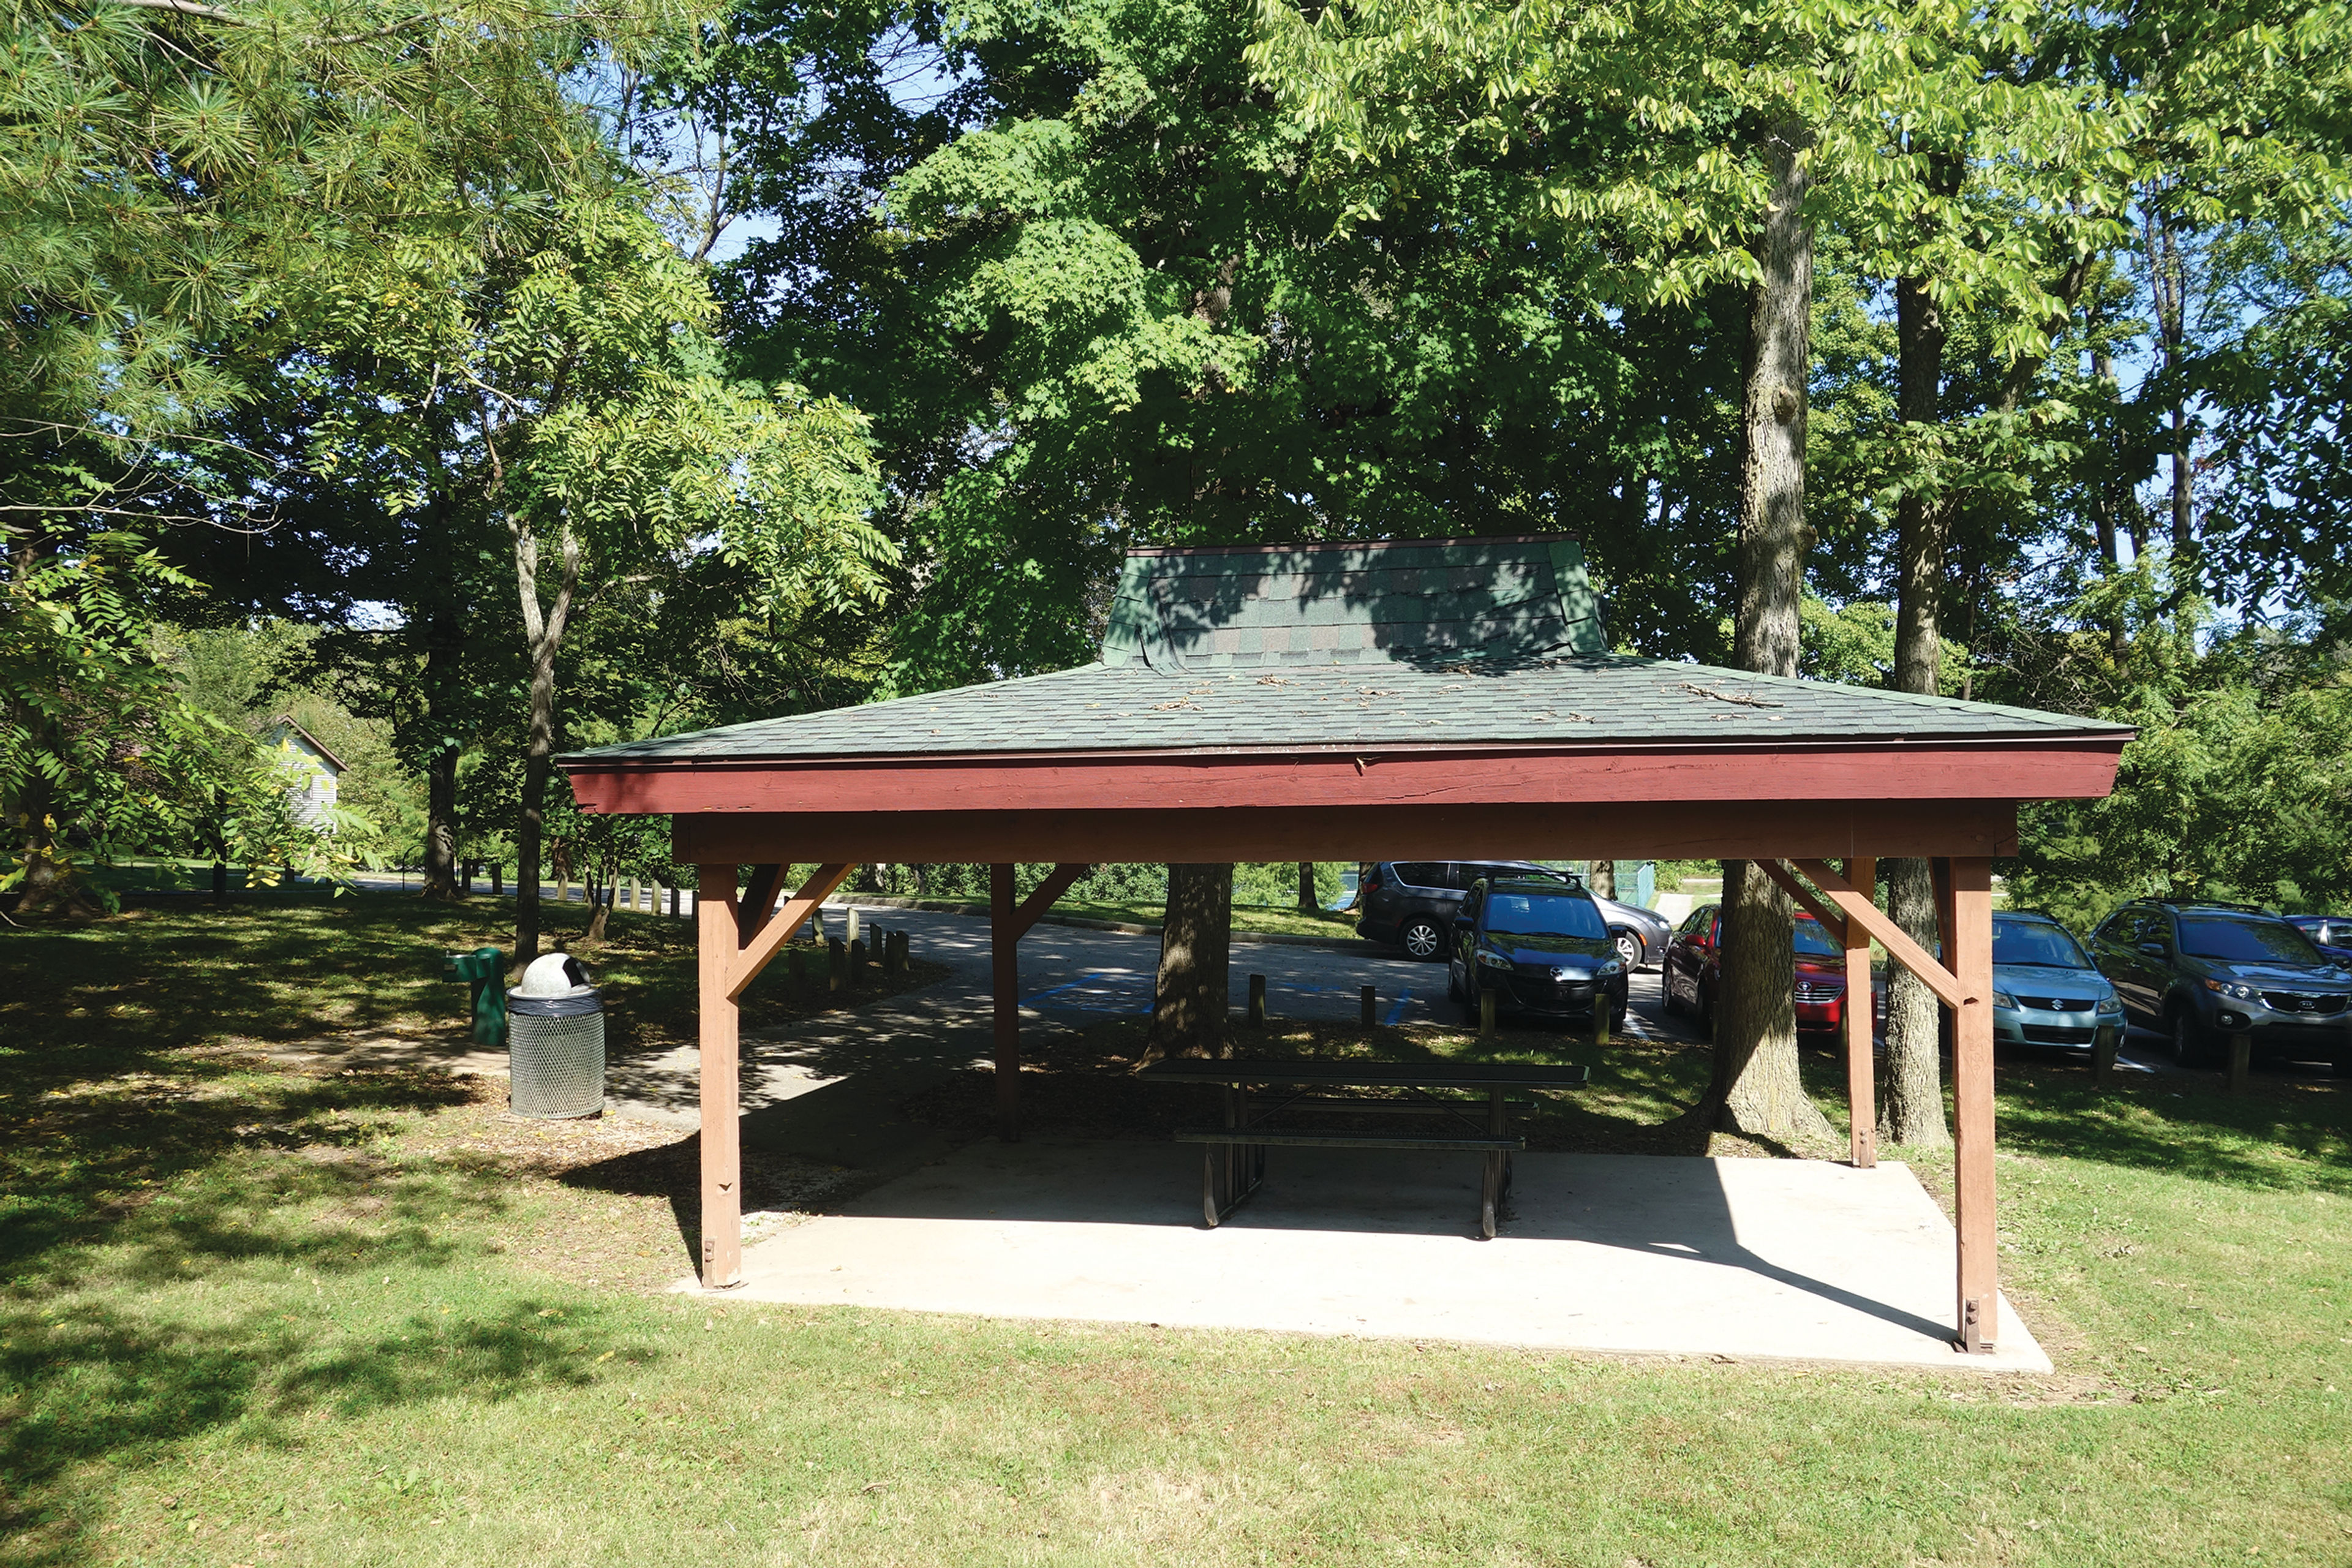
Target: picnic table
1289	1102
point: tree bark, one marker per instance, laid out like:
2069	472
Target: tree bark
1188	1006
1602	877
1307	901
543	634
1756	1075
1913	1110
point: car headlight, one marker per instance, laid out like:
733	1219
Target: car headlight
2111	1003
1612	967
1493	960
2003	999
2229	988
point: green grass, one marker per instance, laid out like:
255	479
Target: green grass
1287	920
258	1316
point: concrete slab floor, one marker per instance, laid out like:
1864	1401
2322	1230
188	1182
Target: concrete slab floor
1799	1259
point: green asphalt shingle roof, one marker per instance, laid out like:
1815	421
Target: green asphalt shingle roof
1435	643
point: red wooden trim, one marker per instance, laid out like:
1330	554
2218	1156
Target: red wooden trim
1822	829
1891	937
1927	771
778	928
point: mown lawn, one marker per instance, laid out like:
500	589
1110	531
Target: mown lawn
1287	920
250	1315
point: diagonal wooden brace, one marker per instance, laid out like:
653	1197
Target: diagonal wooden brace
1833	924
1038	902
1890	936
761	940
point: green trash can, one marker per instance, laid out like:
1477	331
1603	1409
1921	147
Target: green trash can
484	969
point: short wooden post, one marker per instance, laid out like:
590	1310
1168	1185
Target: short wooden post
2241	1061
716	940
856	962
836	964
2103	1057
1257	1001
1370	1006
1970	937
1860	1060
1599	1030
1486	1014
849	926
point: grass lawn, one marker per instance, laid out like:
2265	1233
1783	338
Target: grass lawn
252	1315
1287	920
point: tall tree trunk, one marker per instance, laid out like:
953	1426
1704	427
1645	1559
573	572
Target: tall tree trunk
543	634
1756	1025
1602	877
443	647
1189	1007
1913	1111
1307	901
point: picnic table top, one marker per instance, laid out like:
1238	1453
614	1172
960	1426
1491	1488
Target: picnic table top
1371	1074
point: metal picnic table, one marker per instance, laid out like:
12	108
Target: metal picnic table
1266	1097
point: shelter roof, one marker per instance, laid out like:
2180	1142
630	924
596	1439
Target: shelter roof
1404	645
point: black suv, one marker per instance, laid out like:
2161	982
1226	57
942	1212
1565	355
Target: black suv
2204	972
1540	945
1412	904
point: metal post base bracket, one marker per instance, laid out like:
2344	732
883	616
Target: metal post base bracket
1972	1341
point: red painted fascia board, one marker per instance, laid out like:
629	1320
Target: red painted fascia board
2074	768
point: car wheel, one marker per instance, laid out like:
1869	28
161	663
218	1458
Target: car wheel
1670	999
1629	949
1453	983
2191	1048
1706	1011
1469	1002
1422	939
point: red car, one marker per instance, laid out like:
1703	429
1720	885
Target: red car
1693	971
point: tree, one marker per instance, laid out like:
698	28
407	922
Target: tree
1192	998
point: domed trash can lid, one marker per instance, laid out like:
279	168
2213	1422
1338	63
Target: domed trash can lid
554	986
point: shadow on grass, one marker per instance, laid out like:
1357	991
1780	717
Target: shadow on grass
2282	1135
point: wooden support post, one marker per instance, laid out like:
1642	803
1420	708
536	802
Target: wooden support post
1371	1006
1004	954
1257	1001
1486	1014
2241	1061
1969	946
716	943
1860	1061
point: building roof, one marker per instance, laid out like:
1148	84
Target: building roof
285	721
1404	646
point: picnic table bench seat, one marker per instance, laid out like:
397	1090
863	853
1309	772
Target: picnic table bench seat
1234	1157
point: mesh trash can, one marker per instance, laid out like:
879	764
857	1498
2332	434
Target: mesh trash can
555	1042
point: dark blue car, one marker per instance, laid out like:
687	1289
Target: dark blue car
1540	947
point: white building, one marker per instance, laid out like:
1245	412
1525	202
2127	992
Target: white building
313	772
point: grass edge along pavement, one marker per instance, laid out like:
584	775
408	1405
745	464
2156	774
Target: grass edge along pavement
255	1315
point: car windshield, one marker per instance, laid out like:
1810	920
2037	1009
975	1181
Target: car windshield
2031	941
1812	938
1540	914
2247	942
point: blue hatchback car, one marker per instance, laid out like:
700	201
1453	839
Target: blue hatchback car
2045	989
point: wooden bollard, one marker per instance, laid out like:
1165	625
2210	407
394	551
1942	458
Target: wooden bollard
1601	1020
1371	1005
1486	1015
849	925
836	963
2241	1061
2103	1057
1257	1001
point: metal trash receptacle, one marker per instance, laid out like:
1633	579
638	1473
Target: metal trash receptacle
555	1042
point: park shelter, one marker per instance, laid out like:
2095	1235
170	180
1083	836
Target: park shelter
1399	700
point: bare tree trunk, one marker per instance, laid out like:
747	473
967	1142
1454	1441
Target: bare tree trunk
1189	1007
441	878
543	634
1307	901
1913	1111
1602	877
49	886
1757	1080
